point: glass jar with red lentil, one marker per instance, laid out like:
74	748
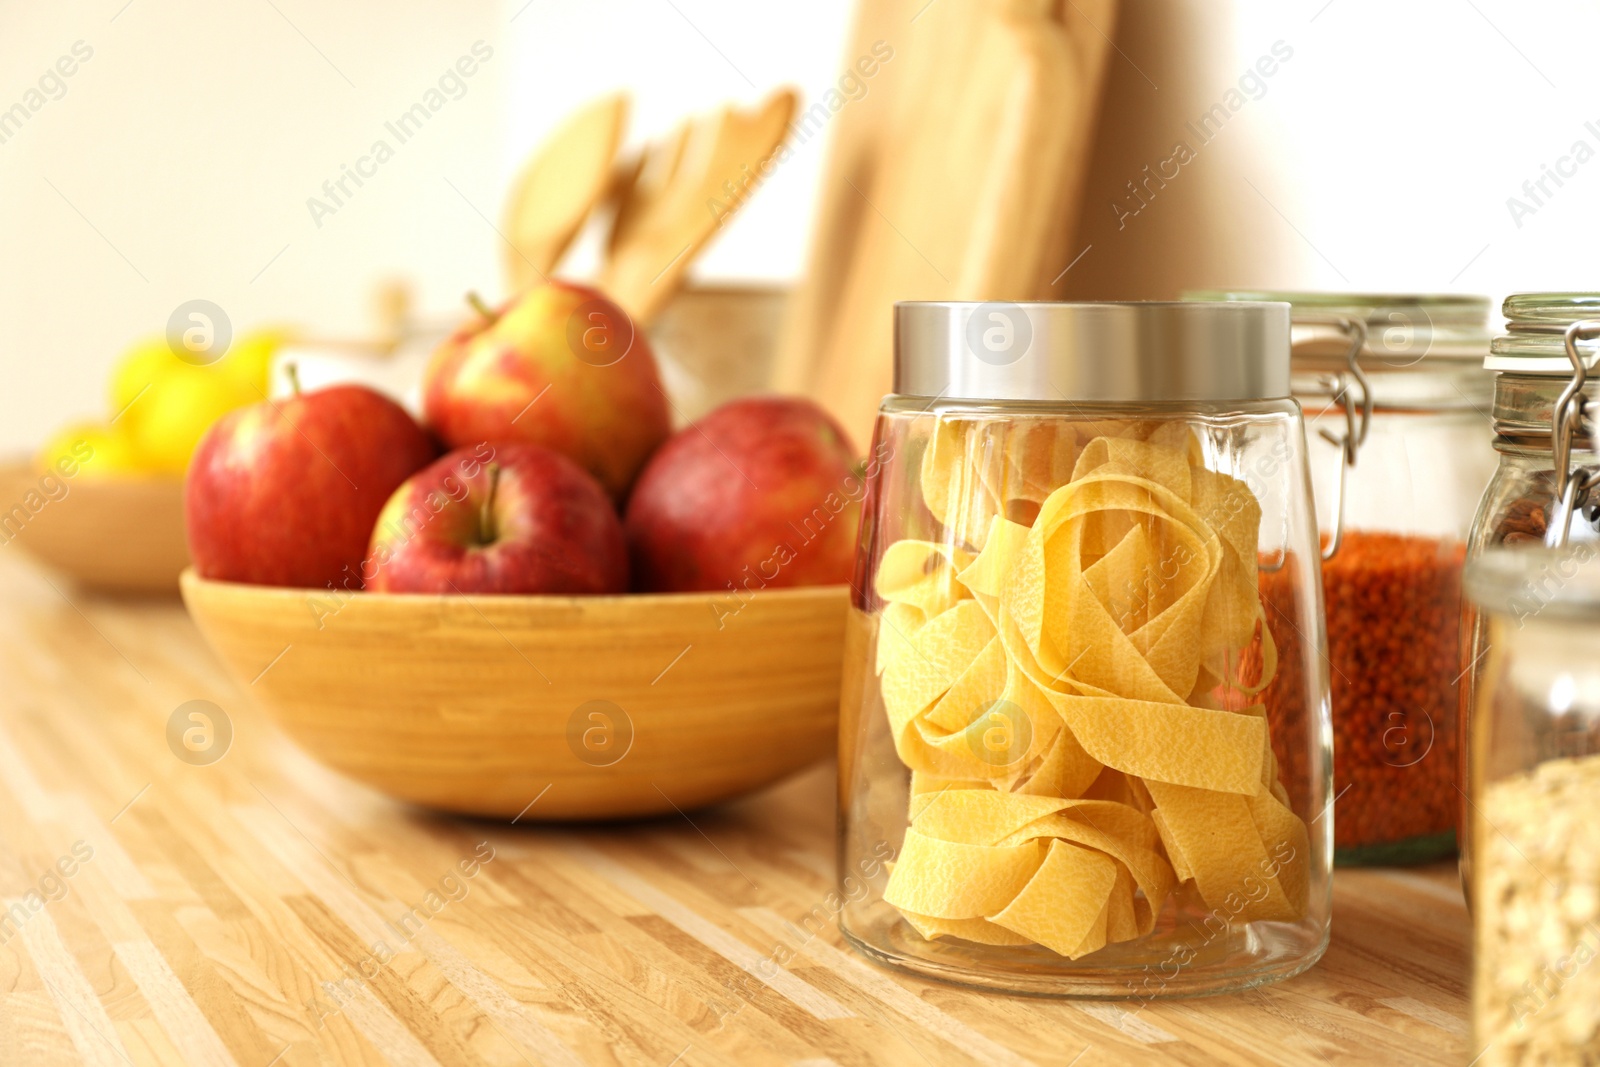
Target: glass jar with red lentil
1397	408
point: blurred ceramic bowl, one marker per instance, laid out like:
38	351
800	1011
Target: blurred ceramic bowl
122	535
715	343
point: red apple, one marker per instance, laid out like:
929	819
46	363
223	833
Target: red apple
504	518
560	366
762	492
285	492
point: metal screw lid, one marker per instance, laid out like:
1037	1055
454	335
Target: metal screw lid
1092	353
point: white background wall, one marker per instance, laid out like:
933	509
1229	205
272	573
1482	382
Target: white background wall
178	162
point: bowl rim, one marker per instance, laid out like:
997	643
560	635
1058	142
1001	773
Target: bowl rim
191	577
24	464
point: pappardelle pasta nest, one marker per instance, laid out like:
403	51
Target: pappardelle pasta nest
1061	676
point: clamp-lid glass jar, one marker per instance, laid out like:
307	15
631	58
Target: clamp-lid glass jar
1535	787
1394	386
1545	395
1056	774
1544	491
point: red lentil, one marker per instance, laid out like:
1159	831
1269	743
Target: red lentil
1393	605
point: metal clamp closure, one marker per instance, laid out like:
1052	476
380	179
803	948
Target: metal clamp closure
1573	485
1355	430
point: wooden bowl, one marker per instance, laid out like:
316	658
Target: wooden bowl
594	707
123	535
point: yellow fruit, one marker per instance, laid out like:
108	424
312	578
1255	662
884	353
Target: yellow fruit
139	369
94	450
167	422
164	405
249	360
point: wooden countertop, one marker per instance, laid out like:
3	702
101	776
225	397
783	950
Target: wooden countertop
224	914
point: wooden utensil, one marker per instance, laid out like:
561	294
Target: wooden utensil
642	180
600	707
123	535
1038	115
687	190
921	79
983	145
1091	25
854	137
962	189
558	188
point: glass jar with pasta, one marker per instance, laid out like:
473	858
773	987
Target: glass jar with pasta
1057	773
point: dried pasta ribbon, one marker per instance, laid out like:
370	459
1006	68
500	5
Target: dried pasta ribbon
1055	682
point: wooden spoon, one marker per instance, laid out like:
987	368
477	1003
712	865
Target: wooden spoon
690	186
558	188
640	180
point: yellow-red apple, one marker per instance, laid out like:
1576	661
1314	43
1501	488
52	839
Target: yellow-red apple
559	366
506	518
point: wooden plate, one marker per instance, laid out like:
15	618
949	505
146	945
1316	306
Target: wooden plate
123	536
583	707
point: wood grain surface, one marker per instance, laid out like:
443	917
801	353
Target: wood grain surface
260	910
